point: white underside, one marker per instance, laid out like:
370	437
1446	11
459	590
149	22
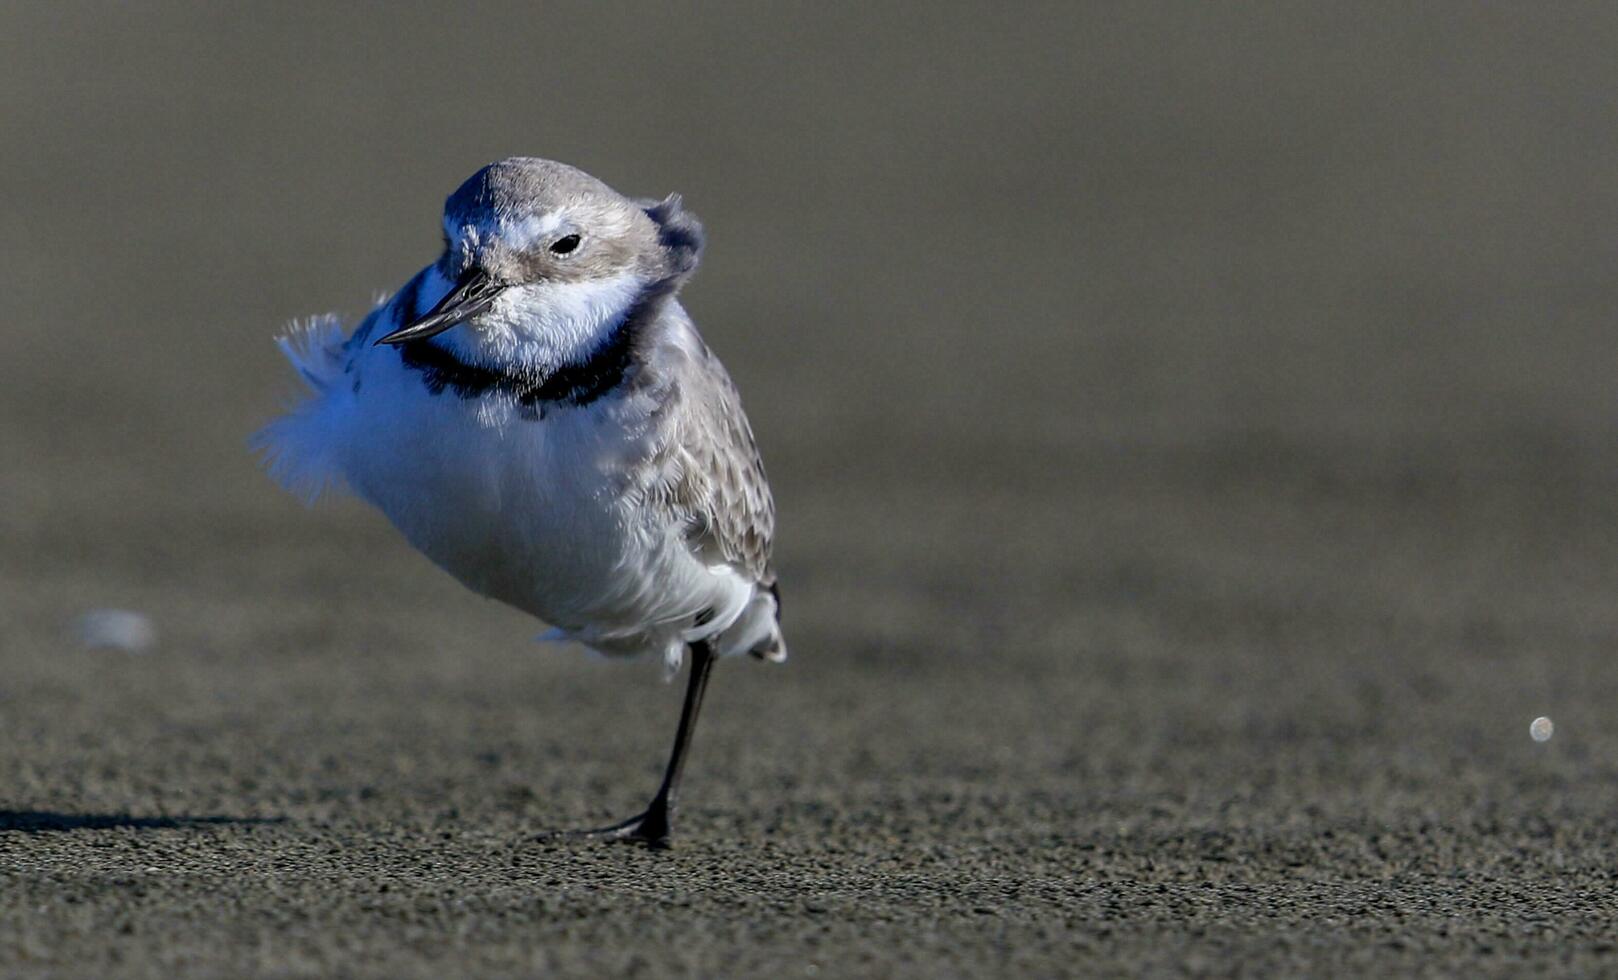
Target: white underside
545	515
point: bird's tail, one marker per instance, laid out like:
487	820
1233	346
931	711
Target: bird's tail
775	650
757	631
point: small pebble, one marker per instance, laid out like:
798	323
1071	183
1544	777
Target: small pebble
116	629
1542	729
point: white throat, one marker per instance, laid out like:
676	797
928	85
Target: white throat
541	326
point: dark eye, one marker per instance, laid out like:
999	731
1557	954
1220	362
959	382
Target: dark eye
565	244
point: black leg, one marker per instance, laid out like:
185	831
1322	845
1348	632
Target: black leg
652	827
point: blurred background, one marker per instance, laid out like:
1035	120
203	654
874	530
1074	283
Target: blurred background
1191	424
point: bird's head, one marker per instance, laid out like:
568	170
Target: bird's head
533	246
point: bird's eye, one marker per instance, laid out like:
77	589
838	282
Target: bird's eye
565	244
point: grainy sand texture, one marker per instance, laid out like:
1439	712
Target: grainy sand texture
1192	426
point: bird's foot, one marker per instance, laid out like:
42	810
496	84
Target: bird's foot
649	829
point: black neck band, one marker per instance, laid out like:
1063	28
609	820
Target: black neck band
573	384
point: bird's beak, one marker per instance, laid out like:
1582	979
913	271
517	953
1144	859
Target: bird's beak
474	293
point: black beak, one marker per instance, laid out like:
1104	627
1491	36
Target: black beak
472	295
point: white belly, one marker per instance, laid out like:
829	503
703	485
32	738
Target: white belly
548	515
542	514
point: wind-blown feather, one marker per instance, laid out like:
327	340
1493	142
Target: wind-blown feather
299	449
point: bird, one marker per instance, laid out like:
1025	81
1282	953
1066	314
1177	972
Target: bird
537	414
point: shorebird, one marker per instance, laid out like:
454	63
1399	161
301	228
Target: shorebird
538	415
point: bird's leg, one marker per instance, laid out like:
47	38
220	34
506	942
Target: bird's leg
653	825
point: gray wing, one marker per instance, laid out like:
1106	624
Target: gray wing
719	488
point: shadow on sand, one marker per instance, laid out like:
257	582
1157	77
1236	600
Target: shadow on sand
45	821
